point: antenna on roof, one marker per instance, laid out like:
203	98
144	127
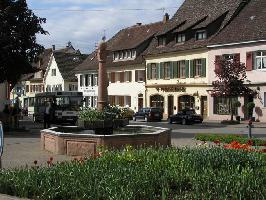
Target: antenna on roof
104	36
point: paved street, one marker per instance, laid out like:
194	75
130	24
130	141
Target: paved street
22	148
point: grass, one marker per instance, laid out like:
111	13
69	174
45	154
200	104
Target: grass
170	173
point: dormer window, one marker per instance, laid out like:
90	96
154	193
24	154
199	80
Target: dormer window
162	41
181	37
124	55
201	35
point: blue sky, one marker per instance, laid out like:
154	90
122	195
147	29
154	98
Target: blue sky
85	28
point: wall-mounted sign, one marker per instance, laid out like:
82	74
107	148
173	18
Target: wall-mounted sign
1	139
90	92
171	89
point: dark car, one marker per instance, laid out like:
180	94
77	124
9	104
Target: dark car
149	114
186	116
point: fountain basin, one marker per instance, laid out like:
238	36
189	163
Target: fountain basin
74	141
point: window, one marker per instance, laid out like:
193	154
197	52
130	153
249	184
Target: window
181	37
81	82
27	88
95	80
129	54
134	53
53	72
264	99
154	72
116	55
167	70
198	67
182	68
201	35
260	60
128	76
120	55
139	75
221	106
161	41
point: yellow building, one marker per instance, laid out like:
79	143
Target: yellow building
177	70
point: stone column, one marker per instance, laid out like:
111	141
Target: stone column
102	76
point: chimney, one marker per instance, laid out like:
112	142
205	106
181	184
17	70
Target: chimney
165	18
53	47
139	24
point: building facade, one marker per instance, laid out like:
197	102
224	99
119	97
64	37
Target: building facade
125	68
177	60
249	47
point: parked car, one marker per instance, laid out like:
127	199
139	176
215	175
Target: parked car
186	116
149	114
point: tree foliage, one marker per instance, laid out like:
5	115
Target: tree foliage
18	46
232	80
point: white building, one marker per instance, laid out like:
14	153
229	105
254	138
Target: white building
59	75
125	68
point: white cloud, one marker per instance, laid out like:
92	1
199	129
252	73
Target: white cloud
84	29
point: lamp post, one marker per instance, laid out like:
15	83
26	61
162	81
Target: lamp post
102	82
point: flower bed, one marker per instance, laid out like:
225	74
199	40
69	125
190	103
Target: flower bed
228	138
203	173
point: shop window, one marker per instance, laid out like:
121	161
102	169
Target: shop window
221	105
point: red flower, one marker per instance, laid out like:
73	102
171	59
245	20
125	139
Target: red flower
250	142
217	142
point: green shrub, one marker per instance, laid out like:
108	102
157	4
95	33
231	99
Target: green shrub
145	174
228	138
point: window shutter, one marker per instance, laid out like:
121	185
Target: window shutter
122	74
149	71
217	62
187	68
171	70
203	62
130	76
249	61
136	76
237	57
192	68
157	70
175	69
161	71
112	77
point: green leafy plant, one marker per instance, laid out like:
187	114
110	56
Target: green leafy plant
160	173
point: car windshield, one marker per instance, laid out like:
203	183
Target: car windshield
190	112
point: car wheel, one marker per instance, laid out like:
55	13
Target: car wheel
184	121
170	121
146	119
134	119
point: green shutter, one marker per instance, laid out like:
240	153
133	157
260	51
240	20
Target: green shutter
203	72
149	71
158	70
187	68
192	73
171	70
161	71
175	70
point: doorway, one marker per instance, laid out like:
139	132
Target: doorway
140	101
170	105
247	99
204	107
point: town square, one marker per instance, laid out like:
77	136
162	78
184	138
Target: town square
163	101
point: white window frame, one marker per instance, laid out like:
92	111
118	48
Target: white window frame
181	37
198	67
202	34
261	57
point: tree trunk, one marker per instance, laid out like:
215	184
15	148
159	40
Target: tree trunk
232	109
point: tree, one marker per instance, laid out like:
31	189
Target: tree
231	81
18	46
